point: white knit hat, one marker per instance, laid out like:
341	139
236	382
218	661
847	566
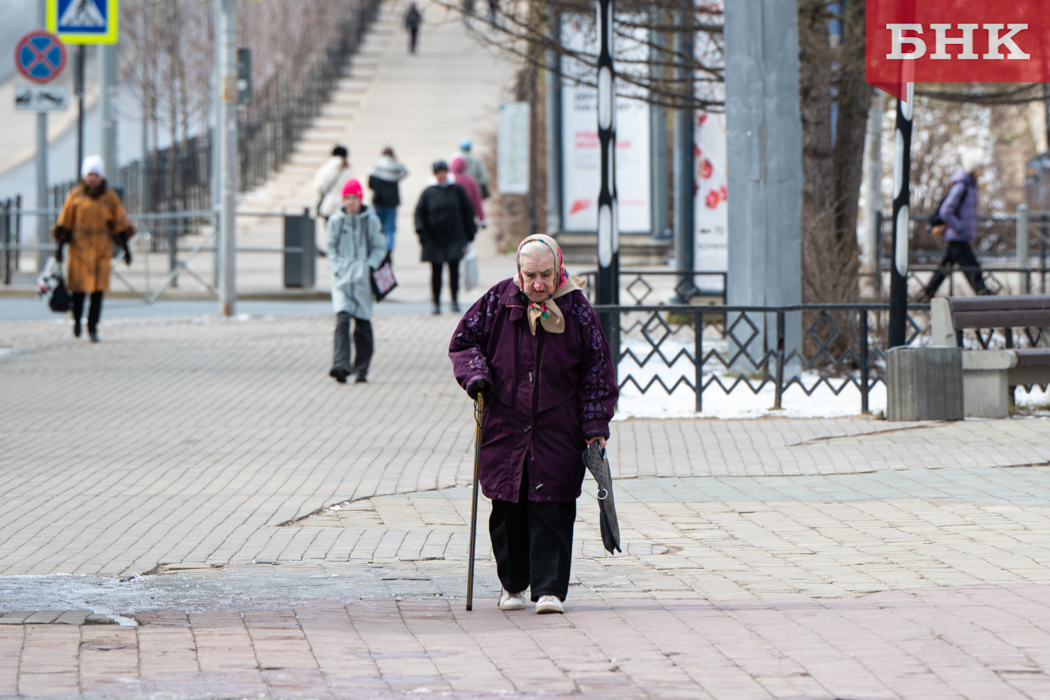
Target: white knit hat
93	164
972	159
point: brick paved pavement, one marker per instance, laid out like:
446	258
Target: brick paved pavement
772	558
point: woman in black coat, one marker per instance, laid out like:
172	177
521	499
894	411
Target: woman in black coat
445	224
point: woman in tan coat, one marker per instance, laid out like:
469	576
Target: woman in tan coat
92	220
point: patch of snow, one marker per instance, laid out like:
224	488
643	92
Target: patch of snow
742	402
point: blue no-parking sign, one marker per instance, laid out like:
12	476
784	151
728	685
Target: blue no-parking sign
40	56
83	21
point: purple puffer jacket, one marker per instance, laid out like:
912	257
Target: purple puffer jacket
960	213
549	392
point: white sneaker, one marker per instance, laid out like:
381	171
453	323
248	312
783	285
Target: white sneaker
511	601
548	604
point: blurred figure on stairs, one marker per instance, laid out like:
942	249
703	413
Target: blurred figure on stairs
386	196
329	180
413	21
475	168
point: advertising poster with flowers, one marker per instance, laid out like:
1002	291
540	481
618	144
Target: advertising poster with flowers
711	216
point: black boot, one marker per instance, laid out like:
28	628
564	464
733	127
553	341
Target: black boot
76	327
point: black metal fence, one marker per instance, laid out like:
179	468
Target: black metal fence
10	236
638	286
284	109
749	347
179	178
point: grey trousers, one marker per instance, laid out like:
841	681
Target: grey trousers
364	344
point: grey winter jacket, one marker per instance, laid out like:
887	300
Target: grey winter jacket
356	246
958	211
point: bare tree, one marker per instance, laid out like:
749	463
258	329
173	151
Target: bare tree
533	31
834	101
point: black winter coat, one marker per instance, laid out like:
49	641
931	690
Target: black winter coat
384	192
444	222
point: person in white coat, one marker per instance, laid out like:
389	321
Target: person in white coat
356	247
329	180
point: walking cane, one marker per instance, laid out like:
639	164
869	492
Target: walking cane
479	410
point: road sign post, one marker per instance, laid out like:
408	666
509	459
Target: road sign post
40	57
83	22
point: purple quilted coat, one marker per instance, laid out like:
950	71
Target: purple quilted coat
549	392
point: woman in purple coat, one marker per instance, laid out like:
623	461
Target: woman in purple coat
533	345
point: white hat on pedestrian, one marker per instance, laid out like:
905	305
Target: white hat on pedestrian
93	164
972	159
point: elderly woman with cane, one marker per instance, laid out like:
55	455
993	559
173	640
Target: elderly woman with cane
533	347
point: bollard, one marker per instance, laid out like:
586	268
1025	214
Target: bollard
173	246
1022	247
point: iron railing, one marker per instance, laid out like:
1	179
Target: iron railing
10	236
283	109
180	177
641	286
752	347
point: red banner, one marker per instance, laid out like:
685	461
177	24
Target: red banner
957	41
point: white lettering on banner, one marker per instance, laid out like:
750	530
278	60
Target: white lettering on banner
898	39
966	41
995	41
917	46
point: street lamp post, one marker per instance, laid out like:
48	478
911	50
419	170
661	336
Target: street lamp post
226	47
901	205
608	230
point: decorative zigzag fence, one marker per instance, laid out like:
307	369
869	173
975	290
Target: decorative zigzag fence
749	348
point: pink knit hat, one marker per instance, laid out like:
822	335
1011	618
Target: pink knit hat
352	186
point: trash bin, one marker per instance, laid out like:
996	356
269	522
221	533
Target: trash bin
300	253
924	384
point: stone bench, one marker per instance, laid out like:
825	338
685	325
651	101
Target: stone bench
988	375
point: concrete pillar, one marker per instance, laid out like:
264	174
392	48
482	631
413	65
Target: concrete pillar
764	148
872	187
553	104
107	75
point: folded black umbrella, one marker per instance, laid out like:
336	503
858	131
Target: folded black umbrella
598	465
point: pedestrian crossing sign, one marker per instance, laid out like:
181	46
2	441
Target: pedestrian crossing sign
83	21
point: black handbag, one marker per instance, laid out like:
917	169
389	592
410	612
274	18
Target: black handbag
58	300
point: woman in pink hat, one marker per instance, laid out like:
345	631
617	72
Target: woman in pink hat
356	246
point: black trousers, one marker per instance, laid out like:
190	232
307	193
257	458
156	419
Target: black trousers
532	543
959	253
364	343
413	33
94	310
453	279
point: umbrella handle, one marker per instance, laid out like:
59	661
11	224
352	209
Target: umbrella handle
479	411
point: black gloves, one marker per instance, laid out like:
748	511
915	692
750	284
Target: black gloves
480	387
127	254
58	253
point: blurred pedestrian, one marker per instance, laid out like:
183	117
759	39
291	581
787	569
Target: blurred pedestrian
355	248
533	346
470	186
468	11
475	168
386	195
329	180
445	224
92	223
413	21
494	13
959	213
